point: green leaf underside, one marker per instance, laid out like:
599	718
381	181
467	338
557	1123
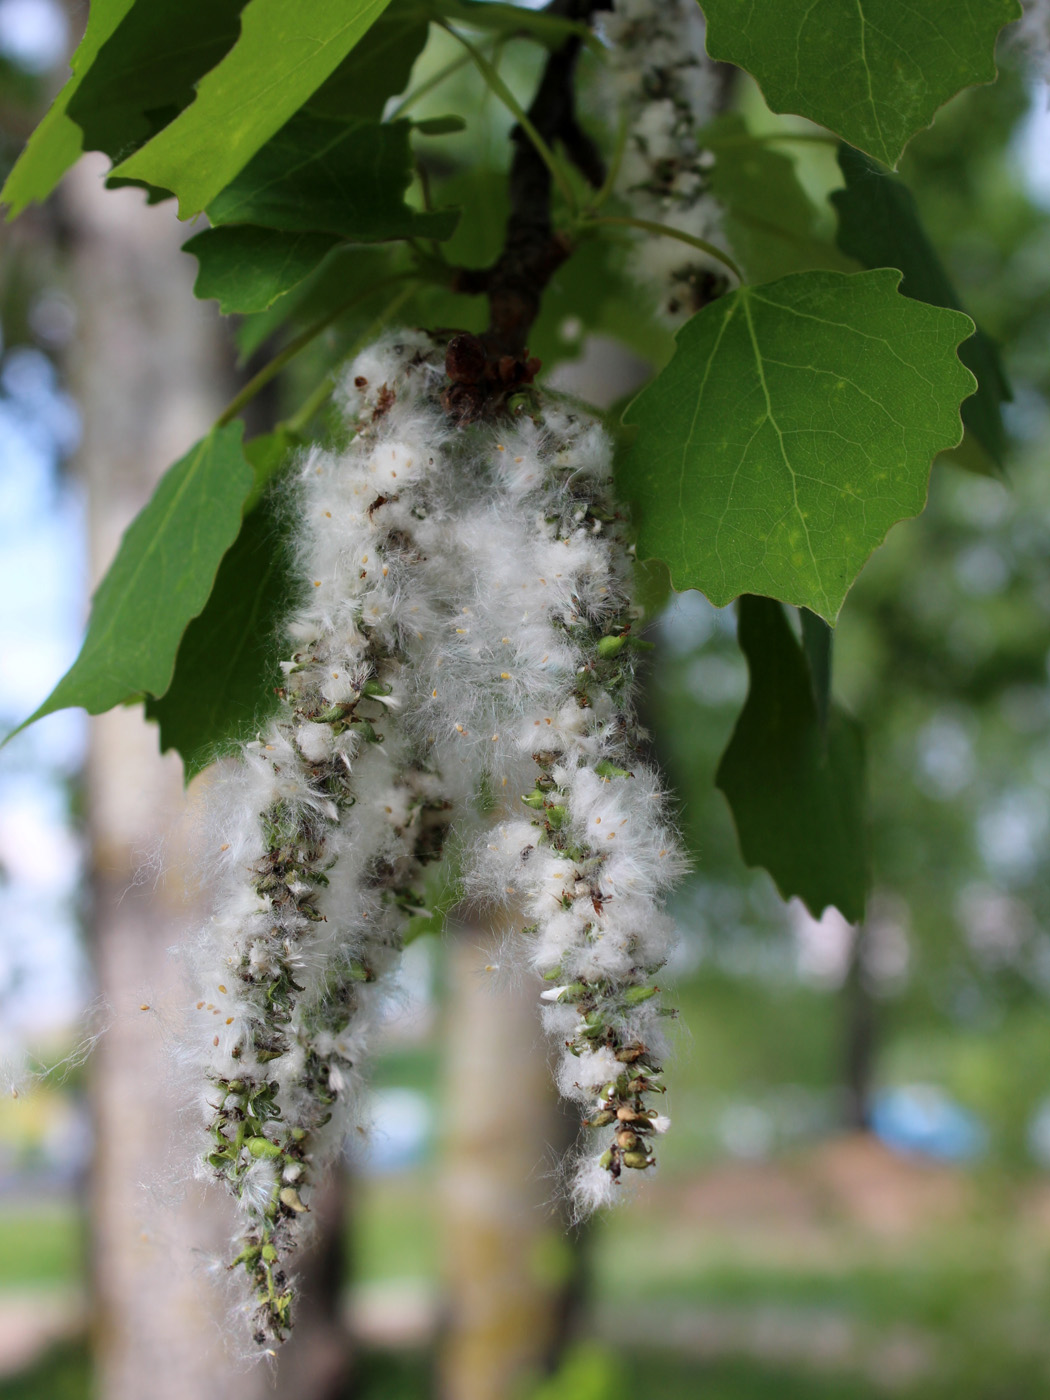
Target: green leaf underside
248	268
144	74
160	578
376	68
227	667
770	221
873	71
879	225
267	455
339	177
344	274
275	66
795	424
55	144
795	787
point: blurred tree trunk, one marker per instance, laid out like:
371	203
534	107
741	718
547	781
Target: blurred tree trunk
150	374
511	1269
859	1039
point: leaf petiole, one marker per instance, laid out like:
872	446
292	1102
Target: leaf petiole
503	92
665	231
435	80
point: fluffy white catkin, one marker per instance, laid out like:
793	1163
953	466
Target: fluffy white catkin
324	823
668	89
528	689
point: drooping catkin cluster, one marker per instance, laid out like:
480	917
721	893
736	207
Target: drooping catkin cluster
669	90
325	823
466	644
529	688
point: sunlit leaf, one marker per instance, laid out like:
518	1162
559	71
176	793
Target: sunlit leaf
56	143
160	579
145	73
278	62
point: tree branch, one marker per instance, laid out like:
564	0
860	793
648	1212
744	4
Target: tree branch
485	369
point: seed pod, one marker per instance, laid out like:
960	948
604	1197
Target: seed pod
289	1197
633	996
638	1160
261	1147
627	1140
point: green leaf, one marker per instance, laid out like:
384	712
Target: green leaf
339	177
345	273
267	454
55	144
874	71
795	786
279	60
248	268
376	68
879	225
770	221
145	72
160	579
796	423
509	20
228	662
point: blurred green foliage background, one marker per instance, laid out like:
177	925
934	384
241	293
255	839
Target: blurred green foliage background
778	1252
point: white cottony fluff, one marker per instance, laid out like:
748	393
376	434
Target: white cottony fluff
527	690
668	87
464	645
321	828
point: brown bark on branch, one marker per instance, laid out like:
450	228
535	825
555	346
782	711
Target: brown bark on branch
485	369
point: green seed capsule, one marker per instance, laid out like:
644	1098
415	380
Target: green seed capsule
557	816
535	799
574	991
289	1197
635	995
601	1120
605	1160
609	647
638	1160
605	769
269	1253
262	1147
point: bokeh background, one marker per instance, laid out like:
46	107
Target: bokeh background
855	1199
